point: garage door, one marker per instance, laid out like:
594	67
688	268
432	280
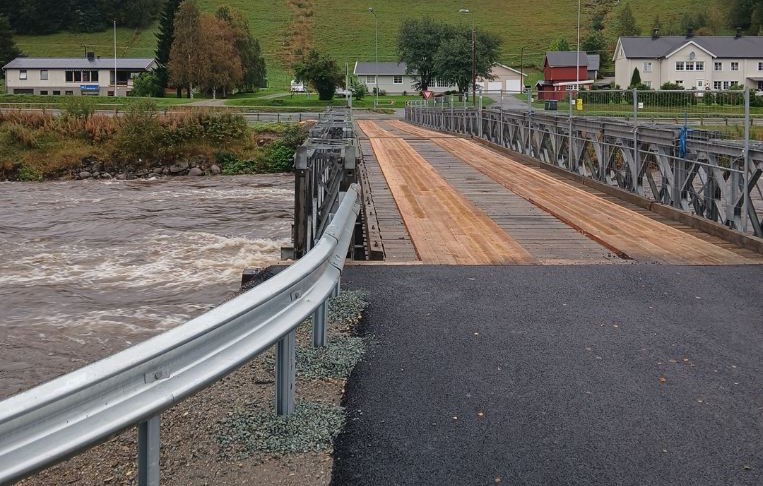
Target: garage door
513	85
494	86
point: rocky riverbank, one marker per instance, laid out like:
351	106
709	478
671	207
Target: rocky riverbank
197	166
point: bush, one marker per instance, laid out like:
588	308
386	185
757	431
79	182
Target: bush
140	132
147	84
78	107
223	128
232	165
279	157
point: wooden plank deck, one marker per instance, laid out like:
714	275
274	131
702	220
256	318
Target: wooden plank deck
396	241
444	226
623	230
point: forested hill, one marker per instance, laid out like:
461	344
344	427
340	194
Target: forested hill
347	31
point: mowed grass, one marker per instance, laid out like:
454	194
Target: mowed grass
346	30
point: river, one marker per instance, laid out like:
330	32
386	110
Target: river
88	268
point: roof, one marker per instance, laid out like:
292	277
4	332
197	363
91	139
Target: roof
570	58
78	63
720	46
384	68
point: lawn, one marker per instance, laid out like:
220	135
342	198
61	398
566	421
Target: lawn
310	102
100	102
346	30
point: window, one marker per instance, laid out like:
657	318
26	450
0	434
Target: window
69	93
718	66
716	85
56	93
85	76
699	65
680	82
760	66
69	76
397	79
25	91
22	73
648	84
370	78
690	65
700	84
726	85
734	84
647	67
43	74
44	92
679	65
110	93
77	76
735	66
760	85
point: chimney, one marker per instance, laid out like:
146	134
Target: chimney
90	56
655	33
739	33
689	33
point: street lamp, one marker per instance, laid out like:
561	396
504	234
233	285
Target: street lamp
577	64
474	55
376	64
522	69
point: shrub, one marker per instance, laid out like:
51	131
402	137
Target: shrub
140	131
279	157
79	107
29	173
23	136
232	165
223	128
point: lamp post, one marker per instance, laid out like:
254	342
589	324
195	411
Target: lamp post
376	64
474	55
577	54
522	69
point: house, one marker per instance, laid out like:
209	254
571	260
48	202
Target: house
565	71
394	80
505	78
73	76
694	62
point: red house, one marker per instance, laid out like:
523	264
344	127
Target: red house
563	70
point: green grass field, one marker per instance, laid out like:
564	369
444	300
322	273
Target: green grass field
346	30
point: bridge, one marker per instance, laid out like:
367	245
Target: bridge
538	317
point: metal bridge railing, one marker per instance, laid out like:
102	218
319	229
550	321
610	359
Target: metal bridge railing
67	415
645	142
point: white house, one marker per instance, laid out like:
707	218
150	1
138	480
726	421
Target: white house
73	77
394	80
694	62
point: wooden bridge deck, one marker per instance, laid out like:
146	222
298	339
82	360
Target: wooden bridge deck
458	202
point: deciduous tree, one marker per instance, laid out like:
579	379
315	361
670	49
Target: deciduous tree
249	51
417	44
186	58
321	72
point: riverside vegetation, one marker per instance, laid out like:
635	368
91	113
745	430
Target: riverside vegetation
80	143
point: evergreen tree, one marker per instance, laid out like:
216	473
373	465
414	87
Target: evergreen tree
626	23
164	42
635	79
8	49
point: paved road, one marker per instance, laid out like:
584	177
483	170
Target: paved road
622	374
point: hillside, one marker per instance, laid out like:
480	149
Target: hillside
346	29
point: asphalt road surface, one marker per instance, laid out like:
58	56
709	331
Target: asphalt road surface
621	374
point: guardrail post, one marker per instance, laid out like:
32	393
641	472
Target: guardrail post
319	324
149	444
286	373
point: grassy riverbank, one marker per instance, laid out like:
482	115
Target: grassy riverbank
38	145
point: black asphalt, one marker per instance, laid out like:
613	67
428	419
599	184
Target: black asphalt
585	375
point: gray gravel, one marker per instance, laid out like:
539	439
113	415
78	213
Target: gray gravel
622	374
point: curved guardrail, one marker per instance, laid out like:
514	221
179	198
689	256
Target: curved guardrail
69	414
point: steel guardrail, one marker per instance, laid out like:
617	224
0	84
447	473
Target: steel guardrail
69	414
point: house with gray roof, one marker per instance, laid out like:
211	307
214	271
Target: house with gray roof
393	78
694	62
74	76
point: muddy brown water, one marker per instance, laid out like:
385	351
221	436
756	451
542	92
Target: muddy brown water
88	268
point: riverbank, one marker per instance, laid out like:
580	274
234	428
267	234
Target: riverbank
143	142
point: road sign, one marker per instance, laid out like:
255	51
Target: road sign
427	94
